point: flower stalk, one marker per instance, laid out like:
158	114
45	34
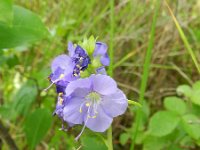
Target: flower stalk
110	71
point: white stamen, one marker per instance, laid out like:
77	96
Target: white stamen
61	76
91	100
49	87
84	124
80	109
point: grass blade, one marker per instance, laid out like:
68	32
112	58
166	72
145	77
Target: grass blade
183	37
145	74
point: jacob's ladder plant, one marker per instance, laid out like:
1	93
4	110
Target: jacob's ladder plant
86	94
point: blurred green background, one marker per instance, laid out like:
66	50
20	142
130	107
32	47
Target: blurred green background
171	109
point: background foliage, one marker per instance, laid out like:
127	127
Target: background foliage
33	32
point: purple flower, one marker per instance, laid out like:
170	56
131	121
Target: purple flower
62	69
101	51
94	101
67	68
79	57
61	103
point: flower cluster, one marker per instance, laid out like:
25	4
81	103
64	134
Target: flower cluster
86	94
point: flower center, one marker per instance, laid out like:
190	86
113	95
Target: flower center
94	97
91	102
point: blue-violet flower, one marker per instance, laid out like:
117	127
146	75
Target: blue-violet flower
94	102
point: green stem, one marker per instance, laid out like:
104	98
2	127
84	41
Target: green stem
145	74
109	140
112	23
110	71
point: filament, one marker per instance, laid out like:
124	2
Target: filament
88	111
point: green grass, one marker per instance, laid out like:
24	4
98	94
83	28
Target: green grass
146	69
183	37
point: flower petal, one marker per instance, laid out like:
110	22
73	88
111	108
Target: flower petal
77	84
71	49
71	111
101	122
56	74
61	102
115	104
100	49
60	86
105	60
103	84
81	92
64	62
101	70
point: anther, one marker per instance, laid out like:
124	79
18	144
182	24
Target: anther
75	74
87	104
78	66
60	101
61	76
60	94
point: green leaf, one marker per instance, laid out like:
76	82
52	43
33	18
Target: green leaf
124	138
154	143
187	141
12	61
24	98
140	137
3	60
58	141
195	93
196	85
26	28
191	125
5	112
21	103
184	90
6	11
93	142
191	93
195	109
163	123
175	104
131	102
36	126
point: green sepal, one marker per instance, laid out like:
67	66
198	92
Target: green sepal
89	45
95	63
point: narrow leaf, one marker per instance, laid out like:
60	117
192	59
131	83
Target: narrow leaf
183	37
